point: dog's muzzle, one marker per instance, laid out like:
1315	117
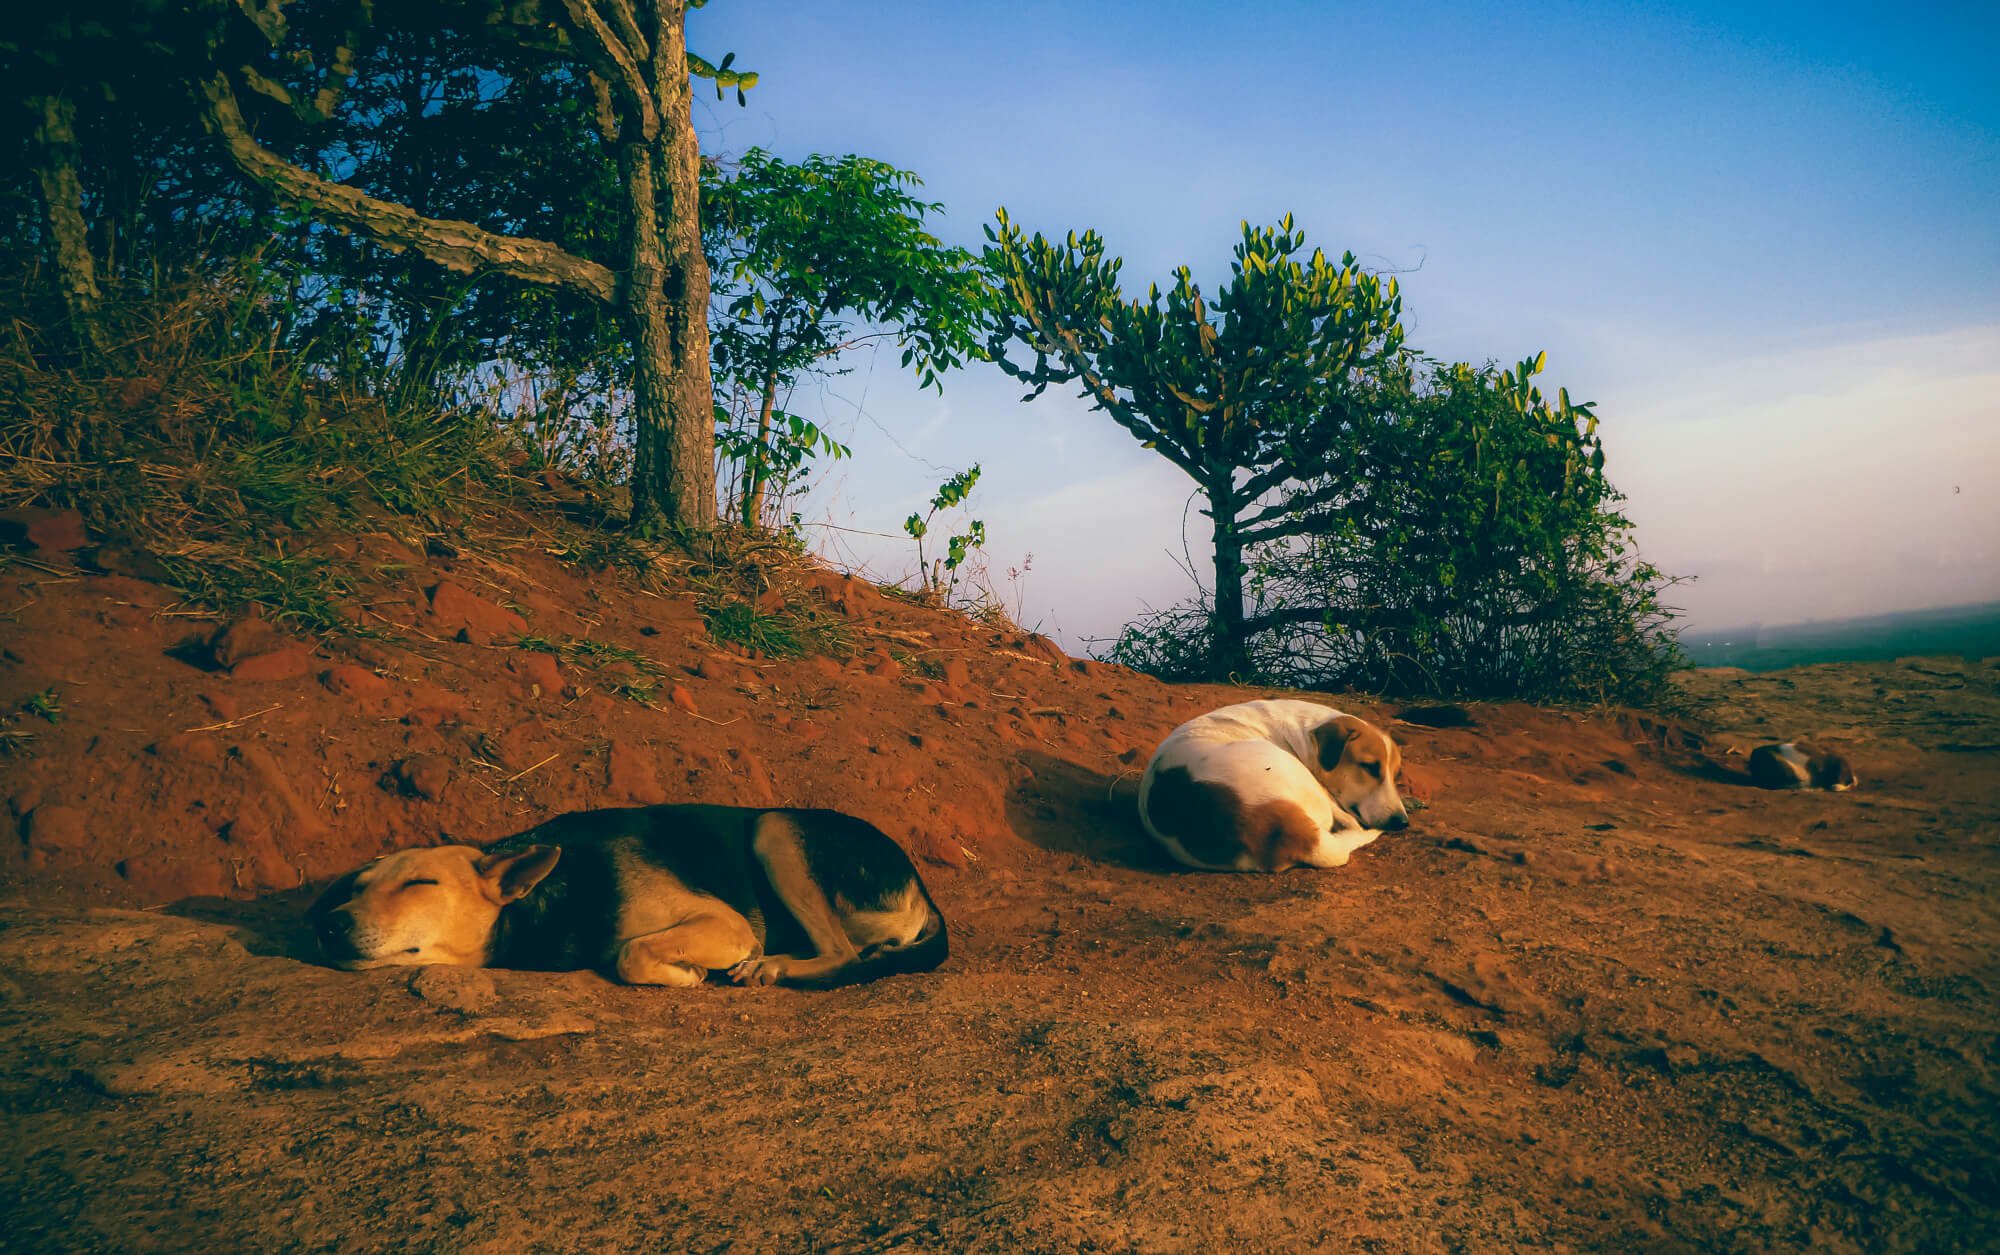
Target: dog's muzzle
333	926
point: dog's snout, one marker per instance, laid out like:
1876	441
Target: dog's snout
1397	822
332	923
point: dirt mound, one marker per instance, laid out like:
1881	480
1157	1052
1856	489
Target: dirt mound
1601	995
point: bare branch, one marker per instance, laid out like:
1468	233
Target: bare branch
459	246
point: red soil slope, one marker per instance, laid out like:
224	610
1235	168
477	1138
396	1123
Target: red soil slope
1601	994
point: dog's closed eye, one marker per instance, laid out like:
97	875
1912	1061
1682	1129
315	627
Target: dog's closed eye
419	881
1373	769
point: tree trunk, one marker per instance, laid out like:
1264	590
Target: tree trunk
758	463
1229	651
666	300
62	198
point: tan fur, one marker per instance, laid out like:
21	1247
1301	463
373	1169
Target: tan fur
898	925
777	847
445	905
1354	757
685	953
403	918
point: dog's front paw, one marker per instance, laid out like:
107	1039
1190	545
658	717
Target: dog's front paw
763	970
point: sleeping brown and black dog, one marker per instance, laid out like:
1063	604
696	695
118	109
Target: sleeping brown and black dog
657	895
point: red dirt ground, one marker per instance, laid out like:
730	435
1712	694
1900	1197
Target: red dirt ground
1602	995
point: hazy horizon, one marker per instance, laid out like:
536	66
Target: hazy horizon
1752	238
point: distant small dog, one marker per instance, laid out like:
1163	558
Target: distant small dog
660	895
1267	785
1792	766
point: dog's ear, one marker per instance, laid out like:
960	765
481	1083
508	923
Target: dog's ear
514	872
1332	737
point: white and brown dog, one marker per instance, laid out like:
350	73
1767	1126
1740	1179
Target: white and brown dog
1797	765
1267	785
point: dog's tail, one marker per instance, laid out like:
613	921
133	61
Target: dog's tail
921	953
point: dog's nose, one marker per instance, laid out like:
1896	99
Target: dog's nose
1398	821
333	927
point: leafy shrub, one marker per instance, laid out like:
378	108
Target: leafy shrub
1469	545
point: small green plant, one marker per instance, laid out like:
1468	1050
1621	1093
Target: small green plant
47	704
640	683
808	261
785	633
300	590
940	575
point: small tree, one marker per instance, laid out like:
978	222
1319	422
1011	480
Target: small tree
939	575
1249	396
1472	546
807	258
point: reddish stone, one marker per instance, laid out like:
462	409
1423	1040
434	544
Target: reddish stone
1038	646
956	674
359	683
424	775
244	639
453	607
45	531
431	706
758	789
538	673
1421	783
188	747
684	699
56	829
281	664
630	775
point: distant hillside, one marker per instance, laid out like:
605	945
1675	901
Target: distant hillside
1970	631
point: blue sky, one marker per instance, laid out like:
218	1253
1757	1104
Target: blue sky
1765	239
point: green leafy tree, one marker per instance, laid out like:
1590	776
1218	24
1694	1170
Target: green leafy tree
629	60
812	259
1470	546
1250	394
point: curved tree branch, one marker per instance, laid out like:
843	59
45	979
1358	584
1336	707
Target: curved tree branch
459	246
616	63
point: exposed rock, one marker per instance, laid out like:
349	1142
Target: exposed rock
466	990
352	681
432	707
757	787
453	607
280	664
187	747
243	639
43	531
424	775
134	561
630	775
539	674
56	829
1035	645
